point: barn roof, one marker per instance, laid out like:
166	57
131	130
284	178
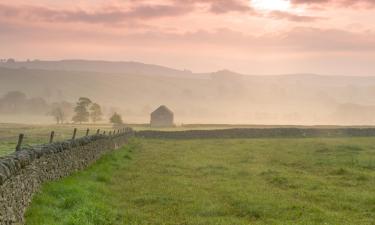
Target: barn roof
163	109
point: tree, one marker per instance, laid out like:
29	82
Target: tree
10	60
116	120
14	101
61	111
96	112
81	110
58	114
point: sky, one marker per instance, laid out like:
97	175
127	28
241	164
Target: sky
328	37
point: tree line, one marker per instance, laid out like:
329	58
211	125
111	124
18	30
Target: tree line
16	102
83	111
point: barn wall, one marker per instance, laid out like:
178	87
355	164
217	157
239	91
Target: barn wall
22	173
162	120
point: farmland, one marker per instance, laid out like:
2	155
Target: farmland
289	181
39	134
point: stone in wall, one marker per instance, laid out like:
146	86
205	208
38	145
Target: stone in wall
23	172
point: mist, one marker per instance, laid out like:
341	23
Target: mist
29	90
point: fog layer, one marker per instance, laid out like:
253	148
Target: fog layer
135	89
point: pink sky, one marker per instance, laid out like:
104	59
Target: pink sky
253	37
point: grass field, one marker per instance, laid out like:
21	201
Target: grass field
39	134
307	181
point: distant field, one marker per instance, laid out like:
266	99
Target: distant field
38	134
310	181
184	127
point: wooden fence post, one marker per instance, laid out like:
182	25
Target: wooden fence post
87	132
74	133
19	144
51	137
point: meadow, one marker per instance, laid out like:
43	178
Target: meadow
40	134
289	181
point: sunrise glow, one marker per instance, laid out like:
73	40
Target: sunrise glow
202	35
270	5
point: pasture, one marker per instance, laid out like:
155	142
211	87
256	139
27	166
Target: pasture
289	181
39	134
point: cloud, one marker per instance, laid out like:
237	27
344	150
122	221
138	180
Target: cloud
225	6
328	40
292	17
136	10
299	39
104	15
342	3
296	40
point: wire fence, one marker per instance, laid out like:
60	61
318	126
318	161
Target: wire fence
10	136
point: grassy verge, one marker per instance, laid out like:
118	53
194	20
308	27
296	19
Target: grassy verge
219	182
83	198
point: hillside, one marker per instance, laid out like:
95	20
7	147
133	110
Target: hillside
98	66
135	89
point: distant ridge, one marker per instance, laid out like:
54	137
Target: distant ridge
134	89
139	68
134	68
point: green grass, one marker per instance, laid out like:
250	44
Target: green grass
39	134
327	181
82	198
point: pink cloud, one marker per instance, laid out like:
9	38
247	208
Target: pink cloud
342	3
225	6
109	15
179	31
136	10
292	17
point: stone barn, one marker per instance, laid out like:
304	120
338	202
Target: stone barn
162	117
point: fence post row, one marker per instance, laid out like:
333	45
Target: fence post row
19	144
51	137
74	133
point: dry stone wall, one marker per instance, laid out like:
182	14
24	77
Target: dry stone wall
259	133
23	172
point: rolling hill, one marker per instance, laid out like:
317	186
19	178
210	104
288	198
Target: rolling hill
135	89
